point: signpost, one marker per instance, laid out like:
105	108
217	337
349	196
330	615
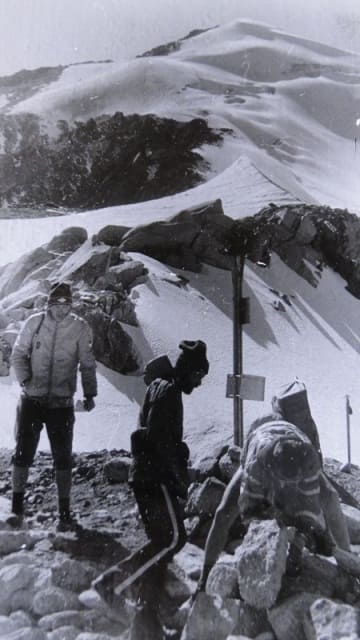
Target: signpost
241	387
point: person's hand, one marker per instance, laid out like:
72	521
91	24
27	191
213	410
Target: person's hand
88	403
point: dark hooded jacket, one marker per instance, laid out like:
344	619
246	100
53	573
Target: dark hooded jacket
159	453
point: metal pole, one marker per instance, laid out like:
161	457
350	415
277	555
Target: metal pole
237	278
348	411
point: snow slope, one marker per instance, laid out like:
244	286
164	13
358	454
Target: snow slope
291	103
293	106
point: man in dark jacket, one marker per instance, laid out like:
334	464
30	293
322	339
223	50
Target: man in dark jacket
159	479
46	357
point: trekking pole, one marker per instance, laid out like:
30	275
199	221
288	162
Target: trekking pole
347	467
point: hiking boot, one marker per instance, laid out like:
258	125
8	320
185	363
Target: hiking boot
67	524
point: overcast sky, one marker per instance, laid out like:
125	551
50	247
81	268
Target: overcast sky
49	32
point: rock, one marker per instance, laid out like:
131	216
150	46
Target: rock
190	559
349	482
117	469
86	264
333	621
64	633
7	625
112	345
352	517
229	464
14	578
21	619
203	499
324	577
112	235
127	272
262	563
211	617
69	239
72	574
178	586
86	635
192	235
26	633
14	274
62	619
205	467
287	618
54	599
223	579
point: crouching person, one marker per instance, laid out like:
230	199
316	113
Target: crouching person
159	478
46	356
280	477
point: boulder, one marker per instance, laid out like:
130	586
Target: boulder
72	574
196	234
352	517
190	559
26	633
287	619
262	563
127	273
66	632
14	578
211	617
204	498
14	274
62	619
322	576
69	239
117	469
229	464
112	345
112	235
54	599
223	579
86	264
333	621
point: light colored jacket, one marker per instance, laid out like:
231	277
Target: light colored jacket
47	354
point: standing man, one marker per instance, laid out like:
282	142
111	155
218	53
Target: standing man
159	478
46	356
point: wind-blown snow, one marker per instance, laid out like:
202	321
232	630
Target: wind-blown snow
294	123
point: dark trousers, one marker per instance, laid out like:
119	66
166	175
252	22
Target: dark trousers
162	516
32	415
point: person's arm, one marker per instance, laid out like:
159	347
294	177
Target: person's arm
87	365
20	357
225	516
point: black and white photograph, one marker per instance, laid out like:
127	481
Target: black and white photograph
180	320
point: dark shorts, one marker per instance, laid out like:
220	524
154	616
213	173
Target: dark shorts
32	415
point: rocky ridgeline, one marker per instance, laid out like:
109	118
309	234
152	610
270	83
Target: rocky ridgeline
104	276
45	577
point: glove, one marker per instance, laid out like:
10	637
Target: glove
88	403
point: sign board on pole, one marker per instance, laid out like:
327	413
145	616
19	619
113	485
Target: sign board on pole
245	387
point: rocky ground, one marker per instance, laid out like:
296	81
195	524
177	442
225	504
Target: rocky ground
46	576
98	503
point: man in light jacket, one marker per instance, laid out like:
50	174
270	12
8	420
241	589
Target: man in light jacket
46	356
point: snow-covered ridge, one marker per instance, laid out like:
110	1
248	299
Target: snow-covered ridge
291	103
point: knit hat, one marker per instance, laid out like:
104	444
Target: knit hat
192	357
60	293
